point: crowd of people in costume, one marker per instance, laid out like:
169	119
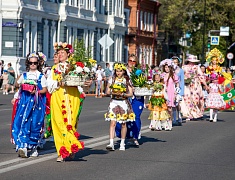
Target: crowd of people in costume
43	93
178	92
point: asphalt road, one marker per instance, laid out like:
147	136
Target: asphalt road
198	150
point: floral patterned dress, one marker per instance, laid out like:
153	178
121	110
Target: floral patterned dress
192	105
214	100
119	109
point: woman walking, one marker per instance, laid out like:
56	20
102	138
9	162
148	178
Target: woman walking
65	105
192	105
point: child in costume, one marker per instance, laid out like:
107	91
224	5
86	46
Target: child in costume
214	100
29	117
157	105
215	57
120	110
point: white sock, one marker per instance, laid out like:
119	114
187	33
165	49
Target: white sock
215	117
111	141
122	142
211	114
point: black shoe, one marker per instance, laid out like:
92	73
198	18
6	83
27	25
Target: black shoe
179	123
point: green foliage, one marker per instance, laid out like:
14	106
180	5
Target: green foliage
180	16
81	53
138	77
157	101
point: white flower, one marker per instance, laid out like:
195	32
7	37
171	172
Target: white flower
229	95
79	69
86	69
80	89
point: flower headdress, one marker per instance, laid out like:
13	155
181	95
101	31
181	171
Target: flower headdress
167	62
217	54
119	66
67	47
43	56
213	76
33	54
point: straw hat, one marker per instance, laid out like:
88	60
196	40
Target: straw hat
192	58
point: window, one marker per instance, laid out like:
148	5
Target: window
80	33
30	36
39	37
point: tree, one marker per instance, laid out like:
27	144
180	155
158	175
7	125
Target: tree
179	16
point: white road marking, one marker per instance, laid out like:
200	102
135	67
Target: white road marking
54	155
5	109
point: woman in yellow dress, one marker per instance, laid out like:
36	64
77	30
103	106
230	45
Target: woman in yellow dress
65	107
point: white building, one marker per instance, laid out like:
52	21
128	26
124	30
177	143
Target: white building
34	25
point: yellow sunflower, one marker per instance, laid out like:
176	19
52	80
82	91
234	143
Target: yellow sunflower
124	116
132	116
111	115
118	116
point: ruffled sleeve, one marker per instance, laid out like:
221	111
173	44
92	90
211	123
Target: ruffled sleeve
51	83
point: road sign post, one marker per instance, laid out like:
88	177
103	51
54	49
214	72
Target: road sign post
230	57
214	40
105	42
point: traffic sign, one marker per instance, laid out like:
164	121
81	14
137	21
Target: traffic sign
230	56
106	41
214	40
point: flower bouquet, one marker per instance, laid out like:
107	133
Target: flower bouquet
118	90
140	82
78	66
28	85
188	78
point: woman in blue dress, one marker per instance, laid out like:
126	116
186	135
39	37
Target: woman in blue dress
30	112
137	103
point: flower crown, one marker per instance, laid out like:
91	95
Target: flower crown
119	66
33	54
43	56
67	47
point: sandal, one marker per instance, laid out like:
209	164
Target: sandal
72	156
60	159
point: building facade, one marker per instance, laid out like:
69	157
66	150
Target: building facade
30	25
143	29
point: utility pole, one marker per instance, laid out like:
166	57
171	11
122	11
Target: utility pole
204	32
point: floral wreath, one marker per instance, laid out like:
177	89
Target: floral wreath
119	66
215	53
33	54
43	56
67	47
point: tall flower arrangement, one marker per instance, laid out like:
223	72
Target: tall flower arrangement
139	76
79	62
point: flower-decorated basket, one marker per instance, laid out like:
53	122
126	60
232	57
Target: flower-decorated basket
143	91
79	64
74	80
28	87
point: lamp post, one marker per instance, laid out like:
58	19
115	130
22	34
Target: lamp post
204	32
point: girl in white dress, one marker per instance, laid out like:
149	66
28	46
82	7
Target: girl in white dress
214	100
119	110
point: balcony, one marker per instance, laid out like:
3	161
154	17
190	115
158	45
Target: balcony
132	30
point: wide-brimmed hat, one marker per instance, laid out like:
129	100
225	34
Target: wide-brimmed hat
192	58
